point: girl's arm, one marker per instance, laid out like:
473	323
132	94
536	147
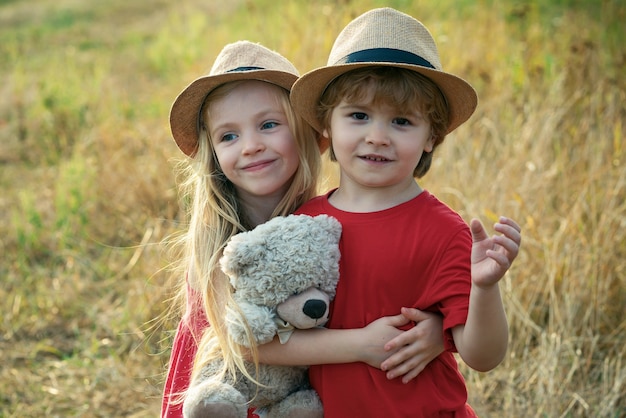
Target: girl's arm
414	349
331	346
380	344
482	342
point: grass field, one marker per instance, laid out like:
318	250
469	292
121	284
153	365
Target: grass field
88	190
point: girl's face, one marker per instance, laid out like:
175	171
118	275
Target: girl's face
252	140
376	145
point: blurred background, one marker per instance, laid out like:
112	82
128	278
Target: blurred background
89	193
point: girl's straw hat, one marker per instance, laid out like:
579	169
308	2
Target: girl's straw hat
241	60
384	37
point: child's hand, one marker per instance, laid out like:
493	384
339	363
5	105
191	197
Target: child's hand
492	257
375	337
415	348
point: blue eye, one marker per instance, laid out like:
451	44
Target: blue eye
269	125
359	116
228	137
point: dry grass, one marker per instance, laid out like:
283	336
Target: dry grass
88	191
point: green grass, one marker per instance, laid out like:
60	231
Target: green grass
88	190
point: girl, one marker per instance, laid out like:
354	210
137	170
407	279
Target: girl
252	159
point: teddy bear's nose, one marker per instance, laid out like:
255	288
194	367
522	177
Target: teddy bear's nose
314	308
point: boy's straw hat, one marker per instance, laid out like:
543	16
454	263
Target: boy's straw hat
384	37
241	60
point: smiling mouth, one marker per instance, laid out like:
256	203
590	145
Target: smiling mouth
375	158
257	164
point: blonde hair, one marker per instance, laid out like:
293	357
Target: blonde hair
216	215
396	87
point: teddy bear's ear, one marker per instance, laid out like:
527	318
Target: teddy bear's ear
328	242
331	226
242	250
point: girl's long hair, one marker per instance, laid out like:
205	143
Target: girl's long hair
215	215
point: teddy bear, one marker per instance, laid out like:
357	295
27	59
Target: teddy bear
283	274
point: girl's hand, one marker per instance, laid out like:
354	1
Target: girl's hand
376	335
412	350
492	257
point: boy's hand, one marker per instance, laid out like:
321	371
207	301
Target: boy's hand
492	257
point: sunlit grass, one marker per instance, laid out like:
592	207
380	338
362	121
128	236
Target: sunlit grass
86	170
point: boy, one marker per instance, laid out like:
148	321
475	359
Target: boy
385	104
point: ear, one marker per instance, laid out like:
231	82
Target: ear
326	134
242	251
430	144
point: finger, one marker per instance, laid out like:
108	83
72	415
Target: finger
401	340
500	258
478	230
410	315
510	222
396	362
398	320
408	370
414	314
507	244
509	232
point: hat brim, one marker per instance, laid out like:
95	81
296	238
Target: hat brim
308	89
185	111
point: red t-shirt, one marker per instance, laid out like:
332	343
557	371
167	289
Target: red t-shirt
416	254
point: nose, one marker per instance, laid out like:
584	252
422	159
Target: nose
377	134
252	144
314	308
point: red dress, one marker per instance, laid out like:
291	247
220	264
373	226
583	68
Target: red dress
184	348
416	254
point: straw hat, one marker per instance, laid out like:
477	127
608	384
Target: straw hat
241	60
384	37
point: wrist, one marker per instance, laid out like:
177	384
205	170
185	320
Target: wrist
485	287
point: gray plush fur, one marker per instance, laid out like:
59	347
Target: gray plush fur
279	266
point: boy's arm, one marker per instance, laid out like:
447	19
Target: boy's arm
482	341
420	345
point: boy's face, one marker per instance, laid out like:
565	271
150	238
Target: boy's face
252	140
377	145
